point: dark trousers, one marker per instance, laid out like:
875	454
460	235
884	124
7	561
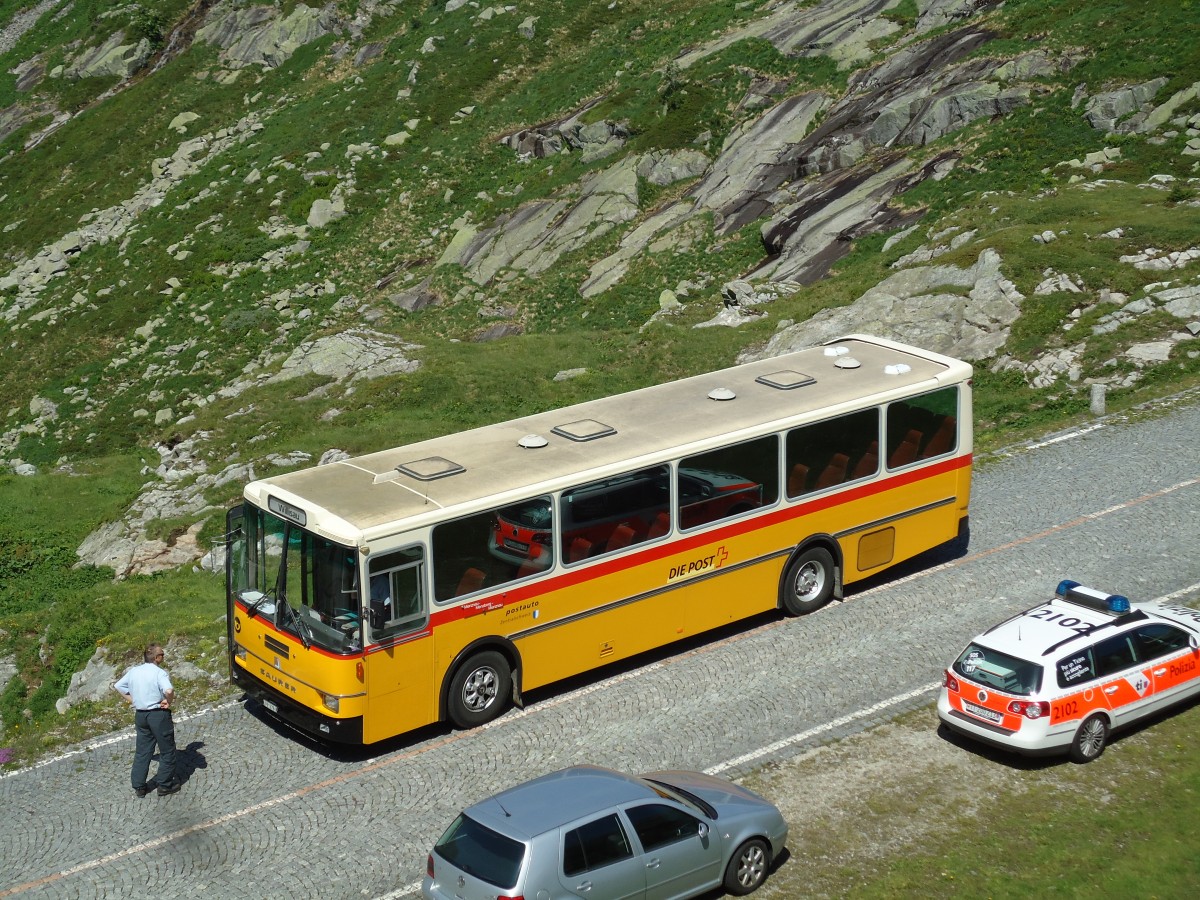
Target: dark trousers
154	729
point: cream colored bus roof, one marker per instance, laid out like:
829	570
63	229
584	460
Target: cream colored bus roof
373	493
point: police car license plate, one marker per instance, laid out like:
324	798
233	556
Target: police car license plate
990	714
271	705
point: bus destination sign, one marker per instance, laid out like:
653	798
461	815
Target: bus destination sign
292	513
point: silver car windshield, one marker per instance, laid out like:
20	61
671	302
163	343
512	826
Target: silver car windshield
679	795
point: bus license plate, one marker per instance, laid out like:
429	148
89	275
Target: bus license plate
271	705
990	714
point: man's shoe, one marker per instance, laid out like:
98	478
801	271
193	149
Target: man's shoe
143	791
169	789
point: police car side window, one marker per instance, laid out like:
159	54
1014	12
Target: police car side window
1076	668
1113	655
1159	639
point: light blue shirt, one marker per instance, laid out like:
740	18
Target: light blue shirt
147	684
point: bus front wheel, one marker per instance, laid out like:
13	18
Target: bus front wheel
808	582
479	690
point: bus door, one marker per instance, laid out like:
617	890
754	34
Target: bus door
398	660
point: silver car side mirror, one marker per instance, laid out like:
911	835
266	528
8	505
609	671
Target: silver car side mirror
703	830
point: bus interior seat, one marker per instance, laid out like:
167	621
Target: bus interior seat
581	548
621	538
660	526
472	580
834	471
797	480
906	450
868	463
536	561
943	438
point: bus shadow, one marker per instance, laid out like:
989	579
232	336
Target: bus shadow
937	556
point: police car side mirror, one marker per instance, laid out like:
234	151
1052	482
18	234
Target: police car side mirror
1193	642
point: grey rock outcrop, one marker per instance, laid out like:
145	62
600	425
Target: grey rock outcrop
113	58
258	36
970	321
826	186
1104	111
537	234
349	356
94	682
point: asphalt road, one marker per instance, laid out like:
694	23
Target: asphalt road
266	814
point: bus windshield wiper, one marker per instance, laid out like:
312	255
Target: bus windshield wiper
302	628
252	609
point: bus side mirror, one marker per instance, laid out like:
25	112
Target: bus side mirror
378	613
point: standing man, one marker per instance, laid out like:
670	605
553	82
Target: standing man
148	688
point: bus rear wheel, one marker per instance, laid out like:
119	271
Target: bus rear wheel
479	690
808	581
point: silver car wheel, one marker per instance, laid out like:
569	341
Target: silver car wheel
752	866
747	869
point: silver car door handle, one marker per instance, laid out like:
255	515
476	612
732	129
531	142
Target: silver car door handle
654	864
1162	671
584	886
1112	690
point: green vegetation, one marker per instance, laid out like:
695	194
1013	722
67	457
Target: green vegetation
949	820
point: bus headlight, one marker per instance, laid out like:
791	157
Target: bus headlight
331	702
239	651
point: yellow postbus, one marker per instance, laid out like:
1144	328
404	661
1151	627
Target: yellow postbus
441	580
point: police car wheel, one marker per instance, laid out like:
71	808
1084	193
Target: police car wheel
479	690
1090	739
808	582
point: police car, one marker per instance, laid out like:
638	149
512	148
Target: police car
1061	676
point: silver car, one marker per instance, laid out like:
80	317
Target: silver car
592	832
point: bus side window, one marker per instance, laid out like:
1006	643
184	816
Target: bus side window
608	515
825	454
488	549
396	600
728	481
922	427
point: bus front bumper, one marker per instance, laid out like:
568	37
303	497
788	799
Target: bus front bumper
325	728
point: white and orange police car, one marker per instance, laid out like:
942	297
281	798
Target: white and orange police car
1061	676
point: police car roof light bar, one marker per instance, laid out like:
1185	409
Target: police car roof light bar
1074	592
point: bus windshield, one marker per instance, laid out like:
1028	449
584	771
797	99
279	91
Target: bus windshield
301	583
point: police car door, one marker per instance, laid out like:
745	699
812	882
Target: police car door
1127	688
1173	659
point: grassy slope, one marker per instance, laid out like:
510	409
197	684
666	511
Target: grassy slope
400	215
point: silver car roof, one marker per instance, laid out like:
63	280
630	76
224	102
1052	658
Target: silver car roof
551	801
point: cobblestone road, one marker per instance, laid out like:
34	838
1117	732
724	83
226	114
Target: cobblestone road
266	814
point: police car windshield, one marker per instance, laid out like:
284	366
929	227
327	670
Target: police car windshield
994	669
